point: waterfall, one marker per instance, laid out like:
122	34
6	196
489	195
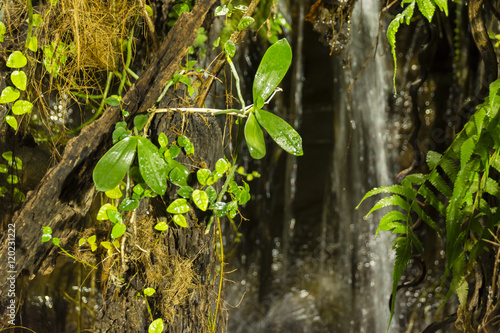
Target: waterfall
360	162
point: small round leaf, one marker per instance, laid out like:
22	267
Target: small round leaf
180	220
19	79
21	107
118	230
179	206
9	94
16	60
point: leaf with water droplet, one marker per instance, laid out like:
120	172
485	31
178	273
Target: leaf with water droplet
129	204
178	206
200	198
255	138
271	71
21	107
102	214
153	167
19	79
202	175
180	220
161	226
11	121
9	94
113	166
118	230
281	132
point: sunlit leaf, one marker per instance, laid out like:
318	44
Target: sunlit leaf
185	191
114	193
230	48
211	193
113	100
162	140
129	204
202	175
56	241
113	166
16	60
180	220
271	71
3	168
149	10
19	79
11	121
92	239
18	196
21	107
102	214
200	198
82	241
46	234
174	151
2	31
118	230
178	206
179	174
9	94
149	291
12	179
219	11
281	132
153	167
255	138
156	326
114	215
106	245
161	226
32	43
245	22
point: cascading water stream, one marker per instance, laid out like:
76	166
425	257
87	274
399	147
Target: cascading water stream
360	162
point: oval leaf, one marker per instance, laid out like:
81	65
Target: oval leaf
102	214
149	291
21	107
200	198
180	220
11	121
9	94
118	230
114	193
19	79
113	166
153	167
255	138
16	60
161	226
281	132
179	206
271	71
129	204
156	326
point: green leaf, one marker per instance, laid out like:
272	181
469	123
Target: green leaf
2	31
178	206
255	138
37	20
402	248
439	183
153	167
394	200
32	43
181	8
156	326
427	219
102	214
433	158
19	79
113	166
3	168
389	221
129	204
149	291
56	241
161	226
245	22
21	107
271	71
427	8
12	179
202	175
18	196
230	48
174	151
200	198
113	100
140	121
466	150
46	234
9	94
408	193
180	220
149	10
11	121
16	60
114	215
189	148
219	11
179	174
185	191
106	245
211	193
92	239
221	166
114	193
281	132
162	140
118	230
82	241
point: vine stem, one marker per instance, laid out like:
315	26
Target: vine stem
221	274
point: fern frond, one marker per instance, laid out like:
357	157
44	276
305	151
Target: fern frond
439	183
432	199
450	168
389	222
394	200
406	192
402	248
433	158
467	149
414	179
427	219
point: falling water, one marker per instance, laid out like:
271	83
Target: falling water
360	162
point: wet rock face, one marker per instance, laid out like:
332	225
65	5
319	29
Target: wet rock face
331	19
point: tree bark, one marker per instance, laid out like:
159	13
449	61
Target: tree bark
66	192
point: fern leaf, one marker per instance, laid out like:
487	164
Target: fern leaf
427	219
394	200
466	150
389	222
433	158
495	162
493	97
450	168
408	193
439	183
443	5
491	187
458	274
478	119
414	179
402	248
432	199
427	8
